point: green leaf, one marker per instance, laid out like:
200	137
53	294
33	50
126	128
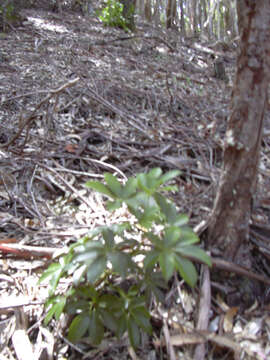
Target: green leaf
133	333
113	184
114	205
166	262
108	236
169	175
59	306
188	236
91	245
187	270
55	280
155	239
167	208
122	325
182	219
87	257
154	173
101	188
78	274
56	305
50	272
153	283
109	320
195	252
78	327
121	262
151	181
171	235
96	269
148	217
147	183
88	292
151	259
77	305
130	188
144	208
49	315
142	318
89	252
96	328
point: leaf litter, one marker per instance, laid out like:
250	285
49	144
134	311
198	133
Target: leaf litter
78	100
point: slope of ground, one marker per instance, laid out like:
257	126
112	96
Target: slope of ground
77	100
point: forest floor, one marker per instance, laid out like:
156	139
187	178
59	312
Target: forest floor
79	99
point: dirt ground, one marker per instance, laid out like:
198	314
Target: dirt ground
79	99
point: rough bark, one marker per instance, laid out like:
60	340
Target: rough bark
170	13
147	10
229	227
129	13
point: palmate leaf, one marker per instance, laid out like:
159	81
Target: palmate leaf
169	210
147	217
133	333
171	236
188	236
129	188
151	259
114	205
194	252
48	273
121	192
54	274
78	274
142	318
87	256
87	252
169	175
108	236
114	185
149	182
96	269
101	188
79	327
154	284
144	208
109	319
186	270
87	292
167	264
96	328
152	181
168	243
121	262
56	305
122	325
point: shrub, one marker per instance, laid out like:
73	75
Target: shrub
118	14
110	288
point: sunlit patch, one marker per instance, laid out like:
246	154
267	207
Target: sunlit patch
40	23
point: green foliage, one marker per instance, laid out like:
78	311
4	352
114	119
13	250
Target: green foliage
160	235
6	11
9	13
113	15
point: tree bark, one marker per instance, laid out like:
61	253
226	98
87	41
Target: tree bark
229	225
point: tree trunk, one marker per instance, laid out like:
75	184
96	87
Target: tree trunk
148	10
170	13
229	226
129	13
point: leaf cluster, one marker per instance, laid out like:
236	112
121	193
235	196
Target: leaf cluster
160	236
112	15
